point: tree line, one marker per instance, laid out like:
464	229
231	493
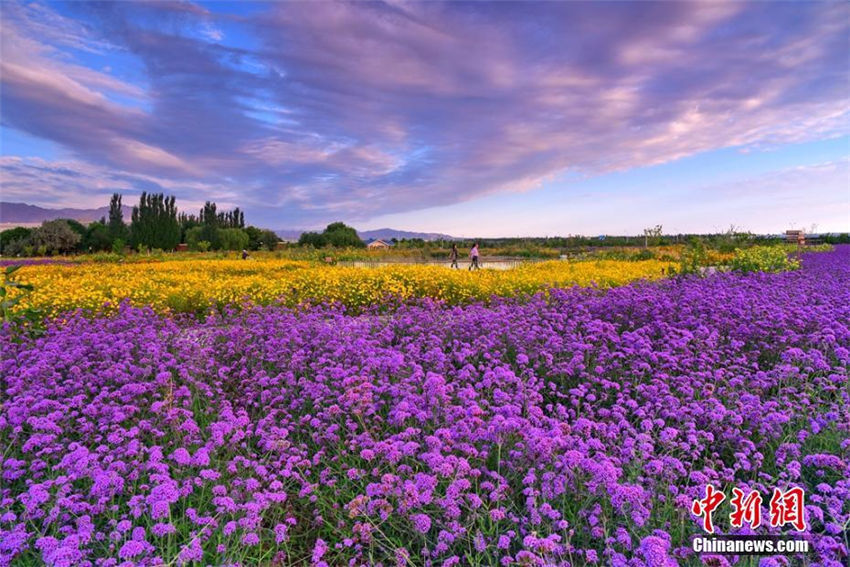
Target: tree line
155	224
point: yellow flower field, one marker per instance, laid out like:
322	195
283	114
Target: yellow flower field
195	285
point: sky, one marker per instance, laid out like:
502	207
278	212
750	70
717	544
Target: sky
467	118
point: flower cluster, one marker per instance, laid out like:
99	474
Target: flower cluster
573	428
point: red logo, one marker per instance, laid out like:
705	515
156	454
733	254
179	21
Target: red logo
787	508
746	509
707	505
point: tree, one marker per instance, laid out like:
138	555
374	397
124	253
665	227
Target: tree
654	232
55	236
209	225
154	222
211	220
340	235
13	240
97	237
232	238
116	226
186	222
231	219
80	229
261	238
269	239
194	237
336	234
313	239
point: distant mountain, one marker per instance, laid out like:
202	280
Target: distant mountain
380	233
390	233
289	234
14	213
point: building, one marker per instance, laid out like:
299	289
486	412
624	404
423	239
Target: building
378	244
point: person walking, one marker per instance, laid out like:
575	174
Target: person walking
473	254
453	256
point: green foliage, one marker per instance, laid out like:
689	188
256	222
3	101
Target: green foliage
693	257
154	222
645	254
118	246
340	235
232	238
843	238
820	248
732	239
337	234
13	240
209	226
203	245
259	239
192	237
116	226
106	257
11	292
97	238
652	235
80	229
231	219
763	259
55	237
313	239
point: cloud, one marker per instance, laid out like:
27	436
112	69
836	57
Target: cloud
72	183
359	109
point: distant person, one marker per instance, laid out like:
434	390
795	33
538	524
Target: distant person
473	254
244	254
453	256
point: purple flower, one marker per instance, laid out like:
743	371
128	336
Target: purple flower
638	397
133	548
422	522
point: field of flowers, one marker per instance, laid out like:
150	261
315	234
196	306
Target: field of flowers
196	285
573	428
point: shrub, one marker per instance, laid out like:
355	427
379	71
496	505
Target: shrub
55	237
645	254
763	259
693	257
13	240
106	257
233	238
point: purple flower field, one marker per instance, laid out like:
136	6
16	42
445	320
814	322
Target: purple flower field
570	430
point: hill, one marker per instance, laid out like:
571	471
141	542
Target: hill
22	214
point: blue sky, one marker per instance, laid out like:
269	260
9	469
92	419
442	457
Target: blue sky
477	119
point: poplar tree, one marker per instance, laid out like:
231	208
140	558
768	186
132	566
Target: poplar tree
154	222
116	225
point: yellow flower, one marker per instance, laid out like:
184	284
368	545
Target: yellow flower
196	285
